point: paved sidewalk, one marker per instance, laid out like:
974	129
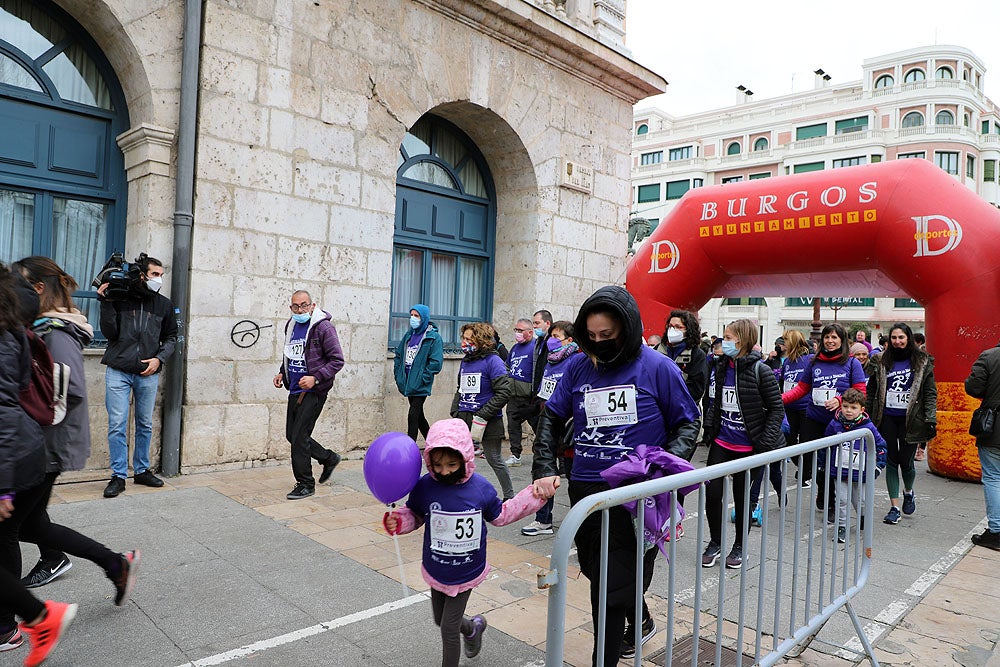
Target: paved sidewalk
956	623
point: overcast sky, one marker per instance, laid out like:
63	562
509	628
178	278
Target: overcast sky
706	48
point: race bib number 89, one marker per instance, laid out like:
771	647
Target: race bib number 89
456	532
611	406
470	383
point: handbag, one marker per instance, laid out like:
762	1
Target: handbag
982	421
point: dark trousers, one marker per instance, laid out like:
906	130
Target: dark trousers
714	494
621	568
774	474
813	430
492	439
17	598
30	523
300	420
416	422
794	437
517	408
449	615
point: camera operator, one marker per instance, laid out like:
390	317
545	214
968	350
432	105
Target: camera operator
141	331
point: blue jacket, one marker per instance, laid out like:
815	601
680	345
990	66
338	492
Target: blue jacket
426	364
836	428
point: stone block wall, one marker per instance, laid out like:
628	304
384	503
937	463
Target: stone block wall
302	109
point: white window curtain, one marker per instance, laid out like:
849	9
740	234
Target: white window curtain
441	295
17	215
77	79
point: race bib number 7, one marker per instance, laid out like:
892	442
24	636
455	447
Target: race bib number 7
611	406
456	533
848	458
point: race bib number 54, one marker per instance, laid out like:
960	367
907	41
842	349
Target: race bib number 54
611	406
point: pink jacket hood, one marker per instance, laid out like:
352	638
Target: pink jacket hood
451	434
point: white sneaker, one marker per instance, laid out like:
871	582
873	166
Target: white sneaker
513	461
536	528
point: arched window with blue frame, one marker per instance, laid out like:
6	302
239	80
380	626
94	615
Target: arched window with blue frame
62	177
443	244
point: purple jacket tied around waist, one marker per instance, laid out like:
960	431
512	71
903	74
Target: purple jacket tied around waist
644	463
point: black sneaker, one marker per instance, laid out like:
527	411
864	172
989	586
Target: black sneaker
474	640
300	491
114	487
734	560
628	641
892	517
909	504
988	539
711	555
842	535
46	571
328	467
147	478
124	579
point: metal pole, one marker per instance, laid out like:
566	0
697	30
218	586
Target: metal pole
180	281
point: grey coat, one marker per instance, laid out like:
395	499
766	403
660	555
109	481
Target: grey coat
984	382
67	444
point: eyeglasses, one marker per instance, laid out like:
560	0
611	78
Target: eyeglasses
516	330
300	307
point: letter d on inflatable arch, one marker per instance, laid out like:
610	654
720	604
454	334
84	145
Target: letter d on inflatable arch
898	228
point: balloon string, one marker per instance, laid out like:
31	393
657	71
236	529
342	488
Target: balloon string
399	558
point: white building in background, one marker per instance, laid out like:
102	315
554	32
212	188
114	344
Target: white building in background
925	102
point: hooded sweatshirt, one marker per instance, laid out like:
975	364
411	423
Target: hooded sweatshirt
636	398
419	357
454	551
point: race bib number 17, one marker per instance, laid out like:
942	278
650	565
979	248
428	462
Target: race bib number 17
611	406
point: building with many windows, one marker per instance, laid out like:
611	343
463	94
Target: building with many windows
473	156
925	103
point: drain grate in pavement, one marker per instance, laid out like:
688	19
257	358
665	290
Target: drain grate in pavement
684	650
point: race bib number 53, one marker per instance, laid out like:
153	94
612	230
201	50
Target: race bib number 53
611	406
456	532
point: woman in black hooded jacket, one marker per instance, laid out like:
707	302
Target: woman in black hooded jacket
620	394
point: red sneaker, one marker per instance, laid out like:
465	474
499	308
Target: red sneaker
125	580
45	635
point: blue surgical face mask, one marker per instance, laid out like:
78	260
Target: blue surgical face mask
414	321
301	318
539	332
729	348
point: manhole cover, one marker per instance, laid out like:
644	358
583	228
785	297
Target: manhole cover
684	650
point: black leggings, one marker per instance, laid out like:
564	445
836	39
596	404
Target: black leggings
714	494
415	419
449	615
14	596
621	568
30	523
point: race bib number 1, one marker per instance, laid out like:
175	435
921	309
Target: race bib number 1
611	406
456	533
470	383
822	395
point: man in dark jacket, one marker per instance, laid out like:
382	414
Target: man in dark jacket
311	360
142	332
984	383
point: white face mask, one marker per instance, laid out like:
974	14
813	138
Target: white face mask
154	284
674	336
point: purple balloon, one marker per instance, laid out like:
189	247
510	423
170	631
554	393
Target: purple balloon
392	466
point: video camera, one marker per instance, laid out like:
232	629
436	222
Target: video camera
124	280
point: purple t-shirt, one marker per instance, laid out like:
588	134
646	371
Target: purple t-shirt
732	430
520	360
898	383
616	409
829	380
790	375
295	352
455	518
475	381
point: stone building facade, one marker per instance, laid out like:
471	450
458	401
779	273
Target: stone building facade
303	108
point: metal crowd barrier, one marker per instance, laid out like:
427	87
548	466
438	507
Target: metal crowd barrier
795	575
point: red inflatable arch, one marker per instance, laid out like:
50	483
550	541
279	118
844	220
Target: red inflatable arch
898	228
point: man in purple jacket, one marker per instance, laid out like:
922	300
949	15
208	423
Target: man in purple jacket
311	359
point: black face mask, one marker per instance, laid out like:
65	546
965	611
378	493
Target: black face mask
899	354
452	477
605	350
